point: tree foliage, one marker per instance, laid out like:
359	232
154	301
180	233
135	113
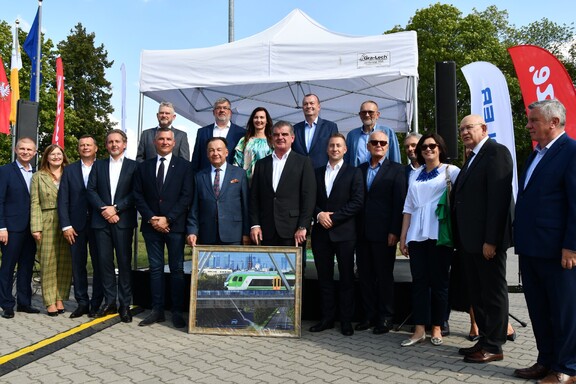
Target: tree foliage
445	34
87	92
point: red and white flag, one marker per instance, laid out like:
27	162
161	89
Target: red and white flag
58	136
5	100
541	77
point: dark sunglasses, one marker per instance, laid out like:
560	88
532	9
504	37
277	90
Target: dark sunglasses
382	143
431	146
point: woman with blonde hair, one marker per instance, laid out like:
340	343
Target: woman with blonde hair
53	249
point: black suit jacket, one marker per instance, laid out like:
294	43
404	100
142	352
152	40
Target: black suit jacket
482	200
346	201
292	204
14	199
147	149
173	201
199	156
99	193
319	146
73	207
384	202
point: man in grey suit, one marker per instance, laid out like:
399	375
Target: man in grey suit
219	213
146	147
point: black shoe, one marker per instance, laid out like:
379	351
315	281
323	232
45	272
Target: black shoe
80	311
107	309
445	329
381	328
125	314
52	314
93	311
153	317
178	320
27	309
322	326
346	328
364	325
511	337
8	313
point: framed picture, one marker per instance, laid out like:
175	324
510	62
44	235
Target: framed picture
246	290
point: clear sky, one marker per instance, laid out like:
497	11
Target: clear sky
126	27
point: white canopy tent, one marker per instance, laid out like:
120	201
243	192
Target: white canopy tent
277	67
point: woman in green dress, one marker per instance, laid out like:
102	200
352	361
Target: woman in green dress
257	143
53	249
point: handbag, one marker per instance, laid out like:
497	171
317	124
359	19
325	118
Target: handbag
444	216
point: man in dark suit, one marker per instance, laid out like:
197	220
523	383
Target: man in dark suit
219	213
482	198
312	134
110	193
380	225
410	143
75	216
163	188
283	193
166	116
339	198
221	128
15	226
545	239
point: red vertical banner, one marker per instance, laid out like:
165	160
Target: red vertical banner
5	100
541	77
58	136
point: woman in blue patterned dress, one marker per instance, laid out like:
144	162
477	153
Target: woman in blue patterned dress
257	143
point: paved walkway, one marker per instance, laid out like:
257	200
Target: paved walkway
127	353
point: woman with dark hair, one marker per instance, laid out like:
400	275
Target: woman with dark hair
257	143
429	262
53	249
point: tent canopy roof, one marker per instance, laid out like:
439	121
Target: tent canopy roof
278	66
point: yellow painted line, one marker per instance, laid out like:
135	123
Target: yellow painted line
34	347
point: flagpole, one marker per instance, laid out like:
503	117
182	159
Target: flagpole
38	50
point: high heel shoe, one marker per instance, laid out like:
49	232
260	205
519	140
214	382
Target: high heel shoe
512	336
61	311
473	337
410	342
52	314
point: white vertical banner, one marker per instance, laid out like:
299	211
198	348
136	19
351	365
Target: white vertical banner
489	98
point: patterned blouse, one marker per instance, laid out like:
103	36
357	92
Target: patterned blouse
247	155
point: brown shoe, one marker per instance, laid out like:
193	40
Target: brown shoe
558	378
467	351
535	372
482	356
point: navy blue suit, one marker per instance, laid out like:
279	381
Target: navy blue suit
200	157
21	247
319	145
346	200
114	237
75	211
223	219
545	223
172	202
381	216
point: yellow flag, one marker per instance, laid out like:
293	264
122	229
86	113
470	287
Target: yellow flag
15	66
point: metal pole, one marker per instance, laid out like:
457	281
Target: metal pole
230	21
38	51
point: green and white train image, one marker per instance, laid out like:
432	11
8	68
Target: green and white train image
257	281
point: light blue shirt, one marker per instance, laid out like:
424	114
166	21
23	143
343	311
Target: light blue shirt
309	133
27	174
540	153
372	173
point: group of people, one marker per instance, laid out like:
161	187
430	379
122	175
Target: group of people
278	184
